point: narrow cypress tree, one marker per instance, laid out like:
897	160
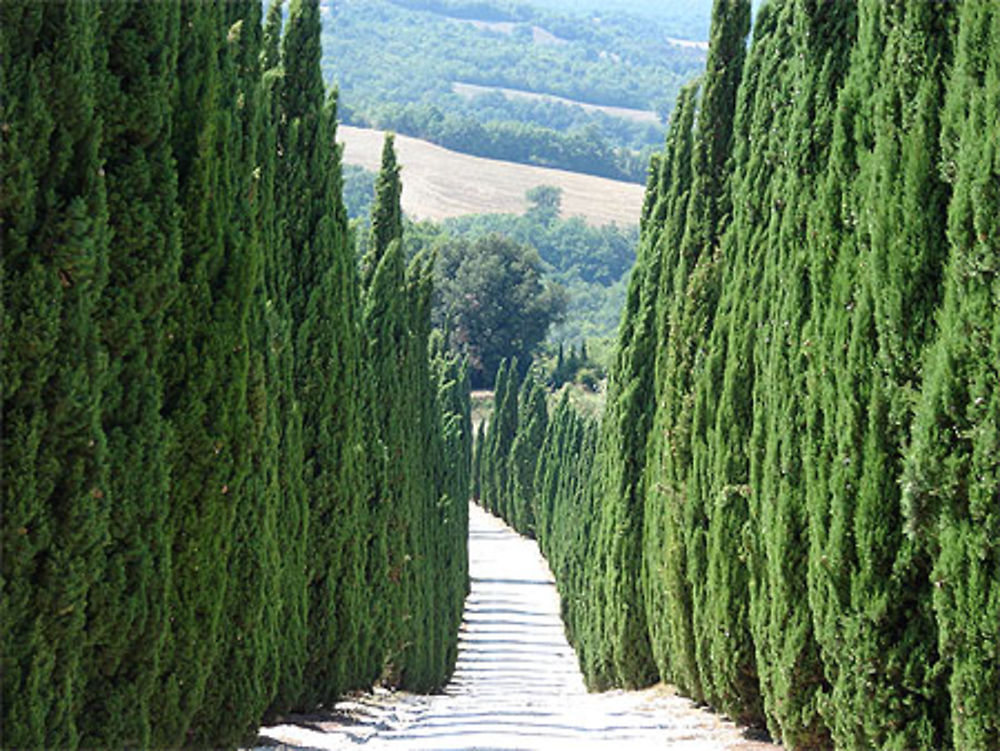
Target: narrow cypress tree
686	313
788	660
386	331
205	383
873	626
489	453
665	592
477	462
387	214
532	424
270	53
951	475
132	632
55	469
503	434
245	676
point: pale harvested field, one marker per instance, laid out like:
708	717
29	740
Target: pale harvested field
440	184
469	90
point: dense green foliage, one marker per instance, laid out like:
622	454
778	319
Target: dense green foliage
492	303
402	65
193	471
792	508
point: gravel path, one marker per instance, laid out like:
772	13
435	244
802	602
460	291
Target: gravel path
516	685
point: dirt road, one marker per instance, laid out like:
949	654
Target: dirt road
517	685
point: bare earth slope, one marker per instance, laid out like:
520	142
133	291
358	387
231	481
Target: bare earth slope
439	183
517	685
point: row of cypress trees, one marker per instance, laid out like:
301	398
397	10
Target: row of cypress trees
793	508
234	471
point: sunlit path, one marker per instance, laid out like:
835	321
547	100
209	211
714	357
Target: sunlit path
516	684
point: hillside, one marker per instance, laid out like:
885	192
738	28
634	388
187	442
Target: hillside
441	184
446	71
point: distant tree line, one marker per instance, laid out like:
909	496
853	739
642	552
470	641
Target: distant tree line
791	507
396	64
582	149
234	469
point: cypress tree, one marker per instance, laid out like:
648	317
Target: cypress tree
532	424
55	462
477	462
270	53
873	626
205	384
132	631
488	453
686	311
503	433
781	620
245	676
387	214
386	329
951	475
729	661
664	589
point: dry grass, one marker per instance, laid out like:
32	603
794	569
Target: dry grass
440	184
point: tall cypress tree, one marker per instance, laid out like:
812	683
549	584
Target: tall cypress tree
55	463
951	475
532	423
138	75
244	678
686	312
488	451
503	433
277	348
873	626
667	602
385	326
205	384
809	56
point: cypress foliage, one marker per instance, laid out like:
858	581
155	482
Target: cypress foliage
386	327
503	431
205	383
186	529
477	462
668	606
787	654
131	621
874	627
274	330
532	423
55	461
686	308
722	390
244	678
488	490
951	476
